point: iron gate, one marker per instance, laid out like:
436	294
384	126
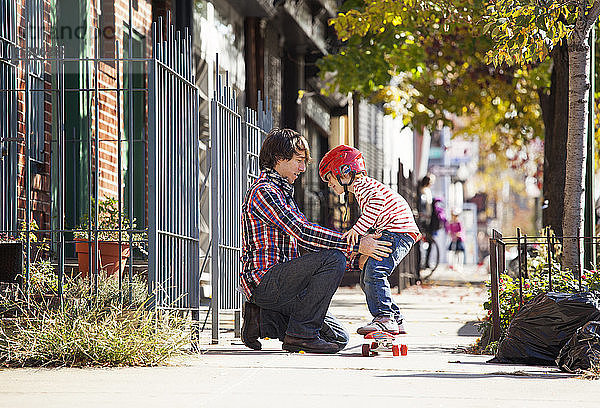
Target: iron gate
173	173
235	144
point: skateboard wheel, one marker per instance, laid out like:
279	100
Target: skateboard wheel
403	350
366	352
374	345
395	350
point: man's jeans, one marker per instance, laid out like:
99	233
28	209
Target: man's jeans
302	289
374	277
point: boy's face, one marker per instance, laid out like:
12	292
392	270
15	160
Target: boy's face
291	169
335	185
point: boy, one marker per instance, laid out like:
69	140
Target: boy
383	211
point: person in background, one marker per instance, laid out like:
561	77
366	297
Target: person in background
425	199
457	247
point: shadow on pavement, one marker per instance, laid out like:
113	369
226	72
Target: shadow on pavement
238	352
469	330
499	374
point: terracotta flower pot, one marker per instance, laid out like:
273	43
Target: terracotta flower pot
82	248
109	256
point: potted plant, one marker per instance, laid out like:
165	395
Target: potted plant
111	254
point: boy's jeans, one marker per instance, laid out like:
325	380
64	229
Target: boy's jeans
374	277
302	289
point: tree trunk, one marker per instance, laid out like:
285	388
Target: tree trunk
555	114
579	84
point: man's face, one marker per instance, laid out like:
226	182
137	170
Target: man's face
291	169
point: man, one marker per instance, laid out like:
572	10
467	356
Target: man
289	294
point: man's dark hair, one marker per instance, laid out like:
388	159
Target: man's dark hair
281	144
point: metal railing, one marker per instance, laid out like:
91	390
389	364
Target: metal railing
175	186
408	270
173	173
524	244
236	139
56	149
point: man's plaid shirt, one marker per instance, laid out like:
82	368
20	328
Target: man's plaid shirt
273	227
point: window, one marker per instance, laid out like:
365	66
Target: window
35	44
107	38
135	133
8	119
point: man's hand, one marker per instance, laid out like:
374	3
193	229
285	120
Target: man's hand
362	261
370	246
351	237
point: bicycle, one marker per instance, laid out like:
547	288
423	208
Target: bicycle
427	244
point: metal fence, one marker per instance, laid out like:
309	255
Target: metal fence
169	140
526	246
408	270
173	173
235	144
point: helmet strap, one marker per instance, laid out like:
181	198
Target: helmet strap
345	185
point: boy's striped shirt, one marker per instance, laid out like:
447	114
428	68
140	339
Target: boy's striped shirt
382	209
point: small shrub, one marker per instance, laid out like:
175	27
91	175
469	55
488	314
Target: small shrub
101	330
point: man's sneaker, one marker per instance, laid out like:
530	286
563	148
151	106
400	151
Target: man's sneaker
316	345
380	323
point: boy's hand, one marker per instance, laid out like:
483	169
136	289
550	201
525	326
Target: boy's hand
351	237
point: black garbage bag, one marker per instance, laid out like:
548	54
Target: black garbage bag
544	325
582	350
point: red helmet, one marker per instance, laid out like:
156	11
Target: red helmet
340	161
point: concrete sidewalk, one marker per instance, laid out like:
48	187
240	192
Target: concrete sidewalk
439	319
470	273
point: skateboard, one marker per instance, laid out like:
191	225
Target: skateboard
383	340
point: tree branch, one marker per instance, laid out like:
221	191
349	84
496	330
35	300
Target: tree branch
546	3
593	14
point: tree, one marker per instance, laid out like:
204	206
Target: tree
426	61
527	31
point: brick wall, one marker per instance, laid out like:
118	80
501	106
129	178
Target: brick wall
108	122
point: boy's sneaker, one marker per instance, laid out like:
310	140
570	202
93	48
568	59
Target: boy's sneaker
381	323
401	329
